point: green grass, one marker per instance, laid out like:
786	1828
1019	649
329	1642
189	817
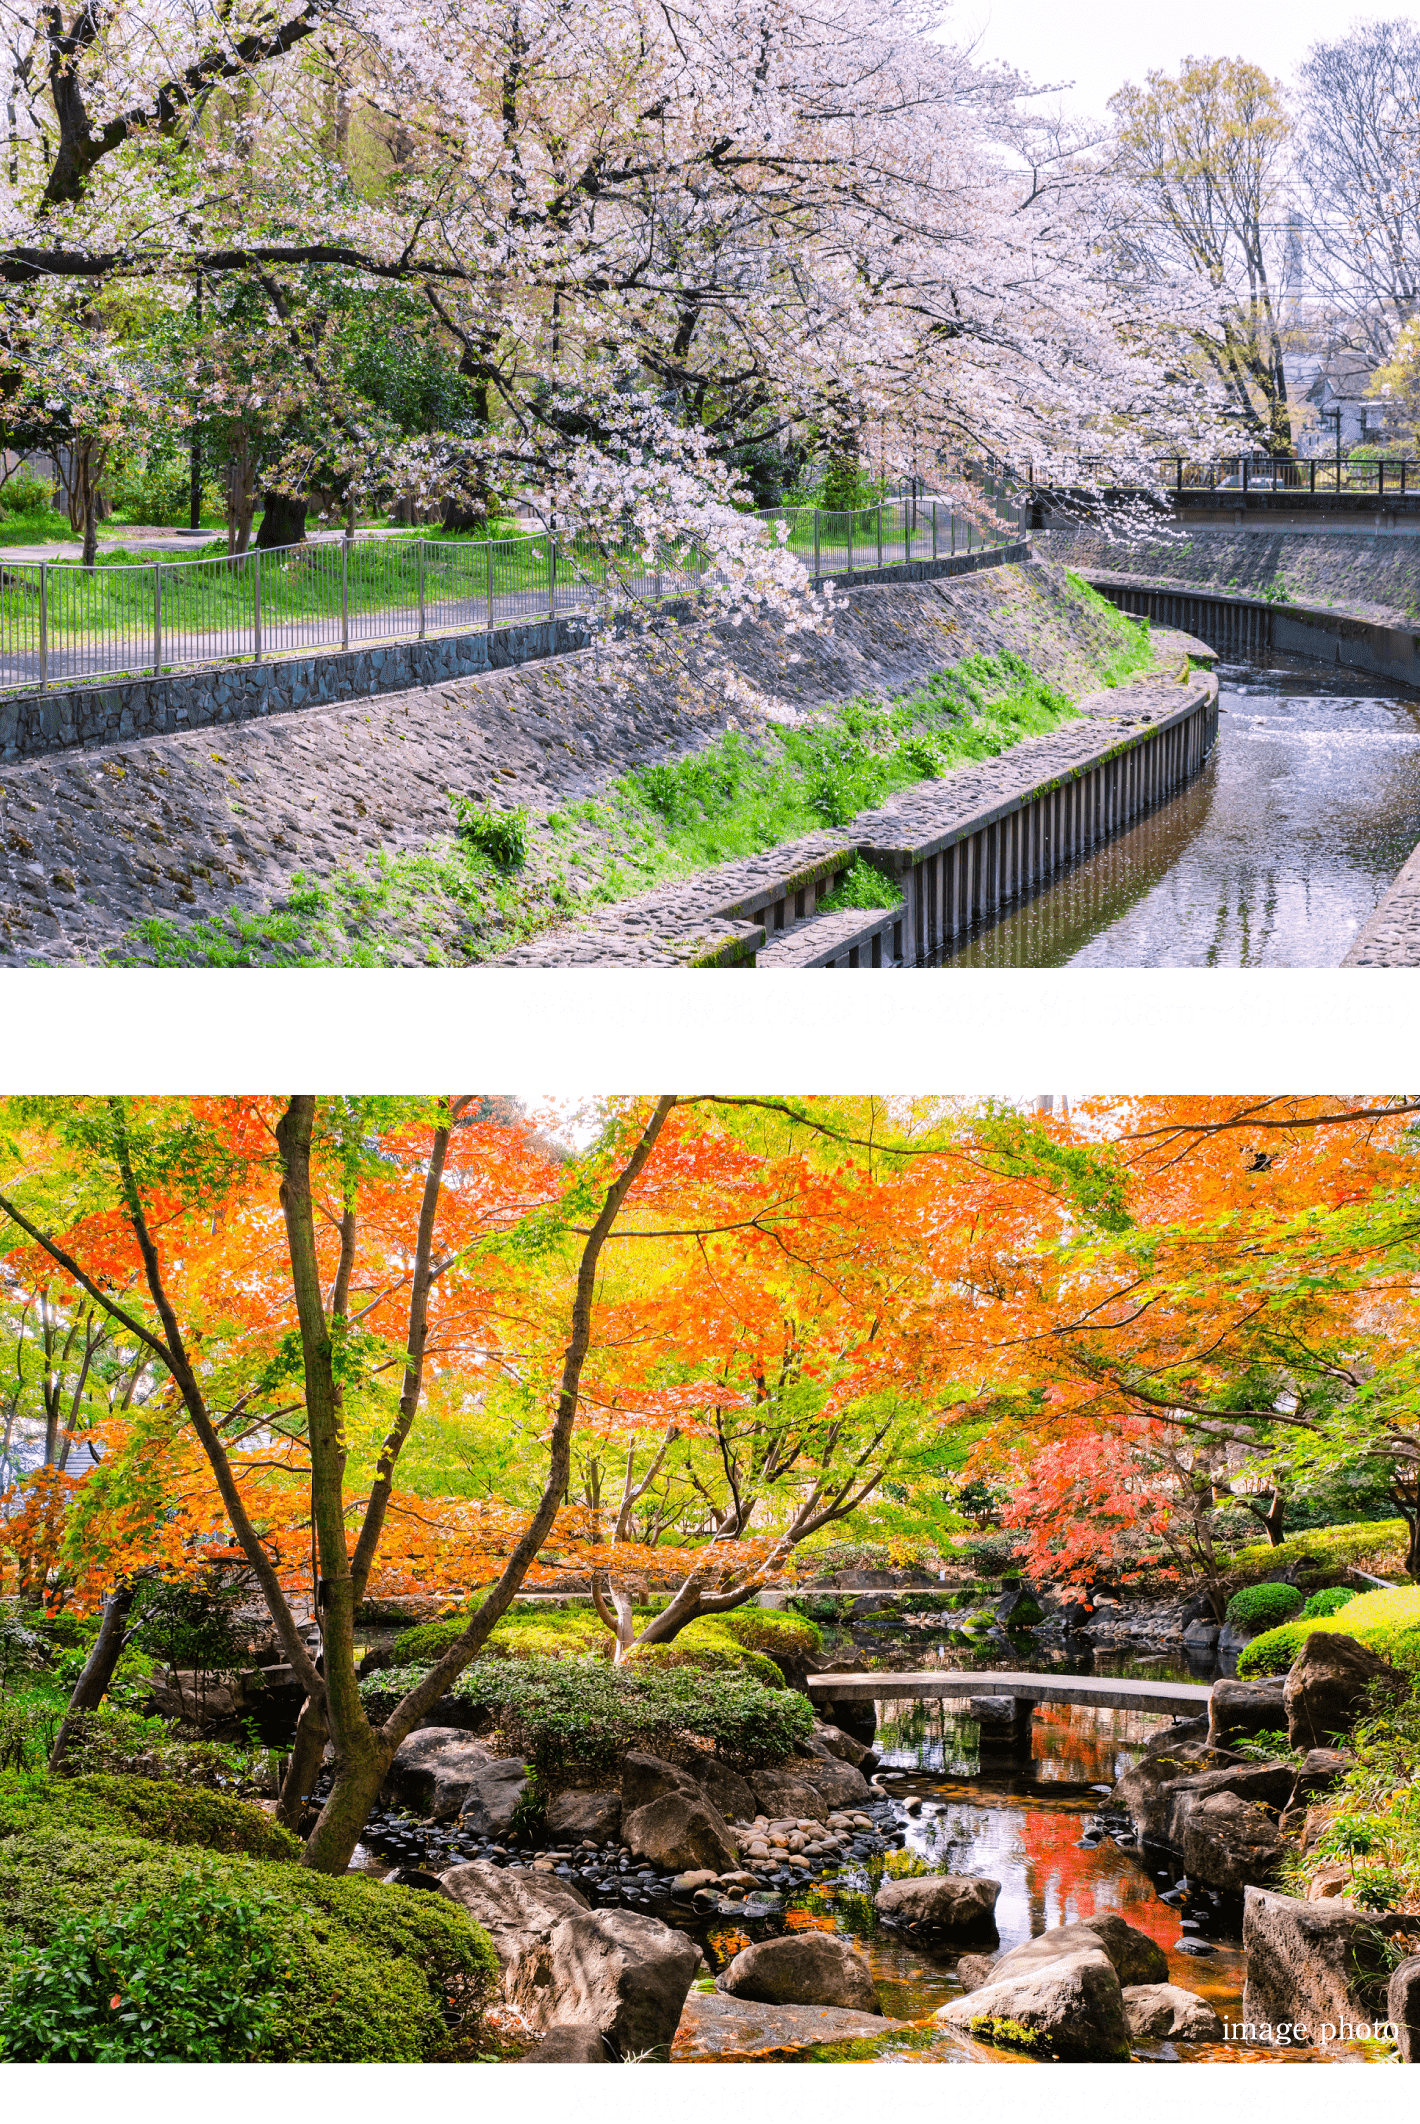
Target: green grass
1135	650
862	885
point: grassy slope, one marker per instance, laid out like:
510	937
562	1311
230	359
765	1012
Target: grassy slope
1388	1623
452	904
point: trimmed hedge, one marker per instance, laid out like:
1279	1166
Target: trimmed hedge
356	1971
1263	1607
1387	1623
1330	1601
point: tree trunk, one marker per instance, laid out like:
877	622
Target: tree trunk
92	1685
307	1755
283	521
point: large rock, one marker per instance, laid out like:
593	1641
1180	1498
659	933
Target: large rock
680	1834
728	1793
492	1797
1403	2008
1167	2010
939	1902
1331	1681
571	1816
716	2026
1322	1772
1260	1784
1301	1962
1237	1710
842	1745
1134	1957
625	1975
1069	2007
434	1770
646	1777
838	1785
567	2044
787	1794
802	1969
1231	1844
1144	1790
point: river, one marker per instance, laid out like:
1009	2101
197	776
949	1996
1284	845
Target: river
1276	855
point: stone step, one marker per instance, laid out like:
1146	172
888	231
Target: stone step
853	936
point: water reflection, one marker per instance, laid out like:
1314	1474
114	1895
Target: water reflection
1276	856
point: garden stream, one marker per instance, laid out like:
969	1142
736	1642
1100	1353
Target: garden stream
1031	1821
1276	855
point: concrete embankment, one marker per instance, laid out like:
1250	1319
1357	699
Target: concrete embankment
243	845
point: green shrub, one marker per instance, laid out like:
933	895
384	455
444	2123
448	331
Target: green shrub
360	1971
502	836
1376	1545
24	495
189	1977
1263	1607
1387	1623
523	1633
576	1718
783	1635
1329	1601
1377	1814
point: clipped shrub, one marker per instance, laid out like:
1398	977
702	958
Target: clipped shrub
577	1718
777	1631
707	1645
1386	1623
524	1633
1329	1601
1263	1607
1376	1545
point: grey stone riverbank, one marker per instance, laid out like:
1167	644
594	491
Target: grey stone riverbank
181	827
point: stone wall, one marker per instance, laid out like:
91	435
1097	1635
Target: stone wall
1361	574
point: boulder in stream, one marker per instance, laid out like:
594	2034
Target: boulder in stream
1403	2008
434	1770
1238	1710
1169	2010
1068	2006
1230	1843
802	1969
493	1796
560	1962
574	1815
939	1902
1303	1965
680	1833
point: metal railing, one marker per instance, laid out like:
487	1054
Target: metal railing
1293	475
62	624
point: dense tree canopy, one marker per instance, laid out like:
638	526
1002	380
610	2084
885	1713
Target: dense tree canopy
424	1345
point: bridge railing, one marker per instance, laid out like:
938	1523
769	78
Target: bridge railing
62	624
1302	476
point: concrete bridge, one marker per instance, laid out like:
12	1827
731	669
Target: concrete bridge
1172	1699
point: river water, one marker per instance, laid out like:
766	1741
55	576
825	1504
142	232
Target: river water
1276	855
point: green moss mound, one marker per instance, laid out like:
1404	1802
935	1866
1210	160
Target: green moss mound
710	1647
153	1809
782	1635
1386	1623
1375	1545
1263	1607
524	1633
351	1970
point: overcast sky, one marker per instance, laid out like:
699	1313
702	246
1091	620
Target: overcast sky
1104	43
